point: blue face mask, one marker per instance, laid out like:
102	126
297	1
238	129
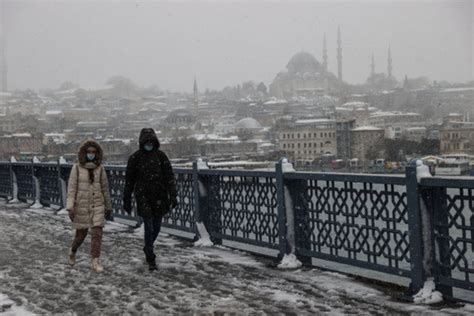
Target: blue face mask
148	147
90	157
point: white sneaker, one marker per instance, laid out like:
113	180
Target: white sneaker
96	266
72	257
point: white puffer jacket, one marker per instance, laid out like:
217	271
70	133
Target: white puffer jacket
89	200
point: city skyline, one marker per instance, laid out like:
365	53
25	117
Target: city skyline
167	44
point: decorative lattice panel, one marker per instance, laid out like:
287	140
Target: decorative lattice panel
182	217
243	208
5	180
50	185
454	229
353	222
25	182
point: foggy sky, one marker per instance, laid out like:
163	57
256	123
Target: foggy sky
168	43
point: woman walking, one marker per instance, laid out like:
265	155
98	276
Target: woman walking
88	200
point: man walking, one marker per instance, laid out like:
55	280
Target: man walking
150	177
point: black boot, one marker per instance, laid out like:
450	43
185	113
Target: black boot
151	260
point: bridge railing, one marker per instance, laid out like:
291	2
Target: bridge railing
398	225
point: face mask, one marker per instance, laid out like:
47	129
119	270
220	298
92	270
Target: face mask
148	147
90	157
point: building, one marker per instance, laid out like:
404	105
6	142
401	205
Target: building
8	124
415	134
457	137
395	123
304	76
344	138
308	140
365	138
20	145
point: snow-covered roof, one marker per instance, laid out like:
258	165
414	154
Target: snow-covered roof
354	104
457	89
91	124
63	92
214	137
314	121
125	141
54	112
21	135
393	113
275	101
366	128
419	128
248	123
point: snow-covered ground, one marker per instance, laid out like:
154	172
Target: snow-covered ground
35	277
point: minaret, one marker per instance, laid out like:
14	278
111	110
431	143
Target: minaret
196	95
339	55
372	66
3	62
389	63
325	54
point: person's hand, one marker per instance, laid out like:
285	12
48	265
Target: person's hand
72	214
173	202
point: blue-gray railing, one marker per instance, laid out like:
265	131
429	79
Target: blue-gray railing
393	224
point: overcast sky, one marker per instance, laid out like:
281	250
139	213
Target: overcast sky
168	43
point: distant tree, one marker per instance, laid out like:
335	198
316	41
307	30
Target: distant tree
418	83
80	93
67	85
123	86
393	148
245	134
262	88
248	88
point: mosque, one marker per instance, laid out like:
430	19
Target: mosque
306	76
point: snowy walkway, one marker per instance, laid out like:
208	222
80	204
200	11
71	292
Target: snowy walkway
35	277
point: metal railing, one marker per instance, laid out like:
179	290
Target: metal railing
394	224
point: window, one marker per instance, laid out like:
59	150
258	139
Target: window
304	135
299	145
304	145
283	136
284	145
298	135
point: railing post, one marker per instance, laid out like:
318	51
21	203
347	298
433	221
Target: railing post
197	199
14	182
61	184
36	185
201	208
284	245
441	239
300	219
414	230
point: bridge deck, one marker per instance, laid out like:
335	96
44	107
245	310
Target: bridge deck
34	275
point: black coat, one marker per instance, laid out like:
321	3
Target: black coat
150	177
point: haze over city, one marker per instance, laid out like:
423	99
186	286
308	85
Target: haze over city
167	43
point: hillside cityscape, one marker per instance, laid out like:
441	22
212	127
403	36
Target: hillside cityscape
308	113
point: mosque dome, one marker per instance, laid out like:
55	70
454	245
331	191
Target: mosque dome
303	62
248	123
